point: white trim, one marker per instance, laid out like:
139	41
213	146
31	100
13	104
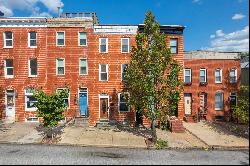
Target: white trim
106	45
14	100
119	102
218	82
32	39
103	72
202	69
63	38
65	98
26	119
63	67
25	96
79	40
236	78
80	66
30	68
5	69
4	39
189	75
87	98
103	96
219	109
128	45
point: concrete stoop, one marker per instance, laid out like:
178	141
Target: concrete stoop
81	122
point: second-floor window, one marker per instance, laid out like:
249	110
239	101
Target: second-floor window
9	68
60	66
33	67
233	76
124	69
203	75
125	45
32	39
83	67
187	76
60	39
103	45
219	102
218	76
174	46
103	72
8	39
82	38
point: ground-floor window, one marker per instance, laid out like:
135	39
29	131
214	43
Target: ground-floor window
123	99
65	100
30	100
219	101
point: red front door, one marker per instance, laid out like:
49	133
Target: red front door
103	108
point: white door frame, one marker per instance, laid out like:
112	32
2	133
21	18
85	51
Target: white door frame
103	96
87	98
190	96
14	109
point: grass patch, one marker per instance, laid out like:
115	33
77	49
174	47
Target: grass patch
161	144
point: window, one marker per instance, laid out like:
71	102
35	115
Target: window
60	39
82	39
103	45
103	72
65	100
32	40
9	69
125	45
187	76
8	39
123	99
203	77
60	66
33	67
83	67
174	46
124	69
219	101
30	100
218	76
233	76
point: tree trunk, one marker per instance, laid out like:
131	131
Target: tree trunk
154	136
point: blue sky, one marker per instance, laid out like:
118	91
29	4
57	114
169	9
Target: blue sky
221	25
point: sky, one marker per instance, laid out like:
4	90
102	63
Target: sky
217	25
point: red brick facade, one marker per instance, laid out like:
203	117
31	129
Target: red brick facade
47	52
211	88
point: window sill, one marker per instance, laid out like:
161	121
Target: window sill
60	45
218	82
7	47
82	45
123	111
32	76
81	75
218	109
30	110
187	84
60	75
103	80
125	52
203	83
103	52
33	47
9	77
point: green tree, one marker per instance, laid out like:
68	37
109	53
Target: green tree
241	111
147	81
51	108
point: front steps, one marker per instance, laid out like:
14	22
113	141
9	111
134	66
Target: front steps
81	121
103	123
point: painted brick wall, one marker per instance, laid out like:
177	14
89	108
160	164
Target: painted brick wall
211	88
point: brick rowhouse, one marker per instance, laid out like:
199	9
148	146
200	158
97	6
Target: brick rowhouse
59	59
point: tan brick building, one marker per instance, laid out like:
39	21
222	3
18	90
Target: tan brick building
76	53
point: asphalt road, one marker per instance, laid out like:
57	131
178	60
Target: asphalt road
61	155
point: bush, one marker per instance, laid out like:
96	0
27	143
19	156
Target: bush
161	144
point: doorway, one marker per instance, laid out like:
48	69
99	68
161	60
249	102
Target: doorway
83	102
104	106
10	105
188	103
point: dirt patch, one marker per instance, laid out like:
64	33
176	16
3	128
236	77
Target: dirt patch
47	140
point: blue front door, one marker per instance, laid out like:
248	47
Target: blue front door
83	104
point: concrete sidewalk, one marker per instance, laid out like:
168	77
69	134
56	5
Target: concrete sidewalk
215	139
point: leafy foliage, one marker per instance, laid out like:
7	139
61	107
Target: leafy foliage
241	111
51	107
147	81
161	144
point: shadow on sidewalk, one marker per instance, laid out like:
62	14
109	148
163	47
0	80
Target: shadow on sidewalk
230	128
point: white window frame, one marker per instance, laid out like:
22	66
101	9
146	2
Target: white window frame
189	75
177	43
32	39
33	117
25	95
236	79
103	72
57	67
57	39
218	82
119	97
65	98
100	39
128	44
80	66
30	68
5	69
4	39
205	75
219	109
122	71
79	43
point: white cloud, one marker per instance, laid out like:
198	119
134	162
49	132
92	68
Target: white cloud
212	36
234	41
238	16
7	6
